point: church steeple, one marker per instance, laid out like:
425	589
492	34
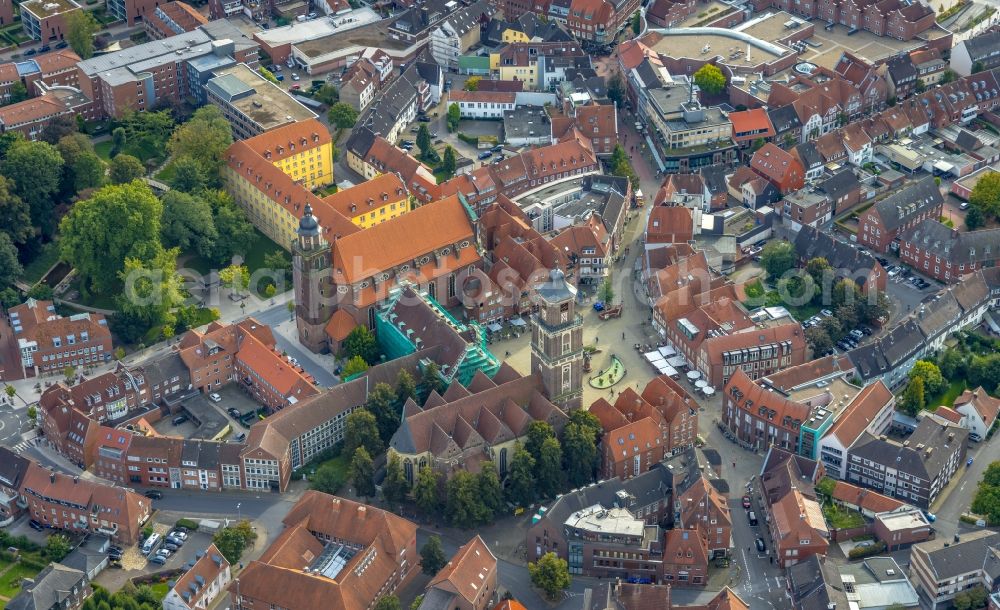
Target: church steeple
312	281
310	232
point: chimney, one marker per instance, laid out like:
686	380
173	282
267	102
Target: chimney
76	480
52	477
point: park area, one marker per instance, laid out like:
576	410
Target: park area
12	574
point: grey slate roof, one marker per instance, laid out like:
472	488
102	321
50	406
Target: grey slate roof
908	202
901	68
888	351
808	154
784	119
967	555
939	315
931	433
646	488
981	46
811	243
12	468
839	184
464	19
958	247
49	589
361	141
966	141
971	292
164	369
382	114
715	178
816	584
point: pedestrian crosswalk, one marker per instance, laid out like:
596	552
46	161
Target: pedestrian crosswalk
18	448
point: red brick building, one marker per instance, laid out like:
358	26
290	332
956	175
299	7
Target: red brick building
759	417
891	18
172	18
798	528
704	509
779	167
947	254
81	506
685	558
48	342
598	20
900	212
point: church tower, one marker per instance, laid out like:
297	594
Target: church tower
312	281
557	342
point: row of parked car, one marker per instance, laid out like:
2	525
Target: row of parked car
168	545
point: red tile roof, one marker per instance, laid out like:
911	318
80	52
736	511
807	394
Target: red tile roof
865	499
753	124
861	412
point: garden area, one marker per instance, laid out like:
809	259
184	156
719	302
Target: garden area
842	518
610	376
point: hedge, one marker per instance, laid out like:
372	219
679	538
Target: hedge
187	523
867	551
473	140
967	519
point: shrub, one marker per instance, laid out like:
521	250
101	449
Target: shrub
473	140
187	523
967	519
867	551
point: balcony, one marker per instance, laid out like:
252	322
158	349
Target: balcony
108	531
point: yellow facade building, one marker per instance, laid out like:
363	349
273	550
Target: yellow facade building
372	202
303	151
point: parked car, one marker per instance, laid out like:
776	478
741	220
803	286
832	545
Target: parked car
170	546
242	436
930	516
826	313
486	154
62	45
181	534
234	412
760	544
164	552
158	560
35	525
964	205
180	419
152	494
214	397
424	119
969	461
752	517
30	52
746	502
44	48
975	438
177	542
295	76
497	148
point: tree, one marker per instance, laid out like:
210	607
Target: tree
361	342
383	404
9	297
187	223
363	473
57	546
151	289
974	218
88	171
125	169
233	540
777	257
18	93
818	269
606	292
279	263
424	142
36	169
58	128
188	176
912	401
10	267
432	379
463	506
952	364
977	596
205	139
268	75
425	491
548	469
538	432
490	490
934	382
328	478
361	430
432	557
236	277
406	387
343	115
117	222
454	116
636	23
579	454
472	84
387	602
550	574
395	485
354	366
80	29
986	194
32	411
327	94
417	601
69	372
616	90
710	79
819	339
448	162
236	234
15	216
118	140
521	478
621	165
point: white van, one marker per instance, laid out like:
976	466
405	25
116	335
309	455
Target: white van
150	543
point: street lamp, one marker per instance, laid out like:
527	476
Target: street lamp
239	513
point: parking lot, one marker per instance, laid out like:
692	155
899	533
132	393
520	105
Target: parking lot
208	419
134	563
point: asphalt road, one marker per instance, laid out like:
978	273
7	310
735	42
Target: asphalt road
959	495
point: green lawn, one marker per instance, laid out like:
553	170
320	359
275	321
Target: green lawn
166	175
101	301
160	589
103	149
10	583
842	518
949	395
49	255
